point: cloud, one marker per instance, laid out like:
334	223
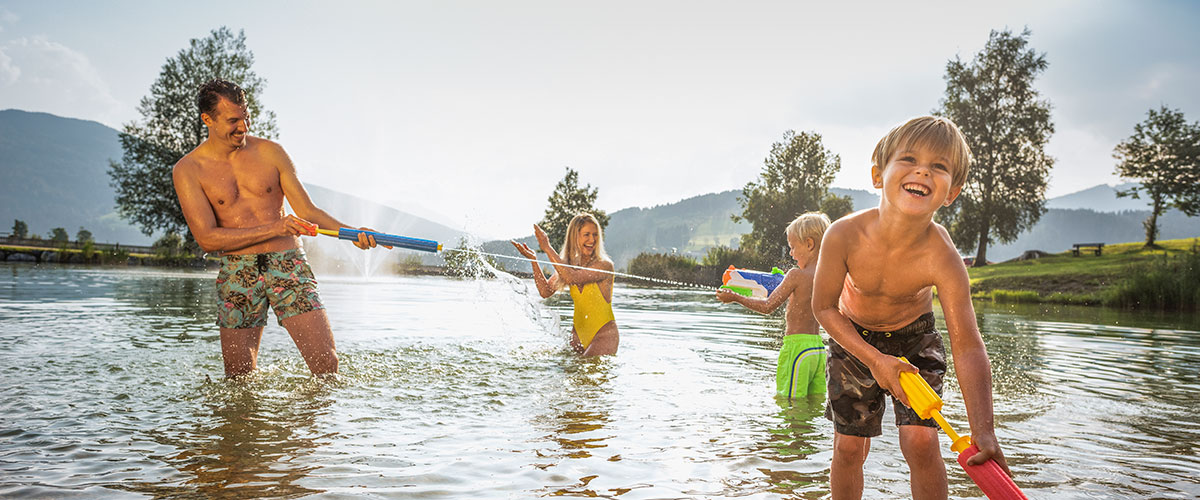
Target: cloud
8	72
37	74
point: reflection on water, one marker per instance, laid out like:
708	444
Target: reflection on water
456	388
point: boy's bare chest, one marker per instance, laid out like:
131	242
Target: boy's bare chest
888	275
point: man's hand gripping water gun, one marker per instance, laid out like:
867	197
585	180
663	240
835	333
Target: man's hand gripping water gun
382	239
990	478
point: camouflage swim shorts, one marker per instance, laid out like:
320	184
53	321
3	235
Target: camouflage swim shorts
247	284
856	400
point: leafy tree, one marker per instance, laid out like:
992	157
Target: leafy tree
795	179
1164	155
993	102
20	229
170	127
59	235
168	246
567	201
836	206
83	235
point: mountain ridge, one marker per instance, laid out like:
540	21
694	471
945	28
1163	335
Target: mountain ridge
55	173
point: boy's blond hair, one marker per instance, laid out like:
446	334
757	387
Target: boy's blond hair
935	133
809	225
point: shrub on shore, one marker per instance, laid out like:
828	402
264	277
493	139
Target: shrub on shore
667	267
1169	283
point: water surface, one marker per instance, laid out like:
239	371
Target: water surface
113	387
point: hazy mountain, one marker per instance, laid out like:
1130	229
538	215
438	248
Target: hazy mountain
1102	198
54	173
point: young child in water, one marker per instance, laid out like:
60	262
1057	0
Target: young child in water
873	293
801	369
594	329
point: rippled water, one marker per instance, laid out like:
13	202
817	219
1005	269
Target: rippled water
112	387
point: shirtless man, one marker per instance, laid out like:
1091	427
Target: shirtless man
231	189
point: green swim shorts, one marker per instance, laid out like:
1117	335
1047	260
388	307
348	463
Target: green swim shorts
801	369
247	284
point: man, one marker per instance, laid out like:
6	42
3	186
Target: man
231	189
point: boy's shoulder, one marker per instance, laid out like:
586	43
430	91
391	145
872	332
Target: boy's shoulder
800	273
852	224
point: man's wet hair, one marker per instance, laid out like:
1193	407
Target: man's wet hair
212	92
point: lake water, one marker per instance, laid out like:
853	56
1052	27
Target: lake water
112	388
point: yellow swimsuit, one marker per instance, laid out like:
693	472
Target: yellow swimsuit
591	311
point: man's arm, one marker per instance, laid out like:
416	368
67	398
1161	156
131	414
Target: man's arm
970	355
298	197
771	302
827	290
203	222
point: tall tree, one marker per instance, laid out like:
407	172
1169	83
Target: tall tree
1007	125
170	127
795	179
20	229
1163	154
567	201
83	235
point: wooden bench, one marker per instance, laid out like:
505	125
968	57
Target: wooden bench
1075	248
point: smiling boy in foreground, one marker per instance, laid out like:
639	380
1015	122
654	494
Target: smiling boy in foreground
873	293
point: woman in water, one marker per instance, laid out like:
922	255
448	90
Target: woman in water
595	331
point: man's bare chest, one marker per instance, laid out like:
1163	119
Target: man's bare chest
228	186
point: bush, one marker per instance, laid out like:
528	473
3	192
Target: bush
88	250
114	256
667	267
1016	296
409	264
1170	283
743	258
169	250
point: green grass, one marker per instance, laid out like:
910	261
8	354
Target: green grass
1088	279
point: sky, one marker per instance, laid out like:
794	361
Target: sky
468	113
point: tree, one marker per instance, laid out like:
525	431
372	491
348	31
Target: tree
836	206
168	246
567	201
171	127
20	229
993	102
83	235
1164	155
795	179
59	235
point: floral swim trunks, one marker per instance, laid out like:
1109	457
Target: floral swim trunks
247	284
856	401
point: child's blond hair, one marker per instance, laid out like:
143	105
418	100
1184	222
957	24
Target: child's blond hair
809	225
935	133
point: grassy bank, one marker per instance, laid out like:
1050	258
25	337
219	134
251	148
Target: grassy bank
1127	275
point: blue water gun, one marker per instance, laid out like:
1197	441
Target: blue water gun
385	239
749	283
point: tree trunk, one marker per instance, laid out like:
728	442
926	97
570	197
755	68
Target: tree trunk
981	253
1151	224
